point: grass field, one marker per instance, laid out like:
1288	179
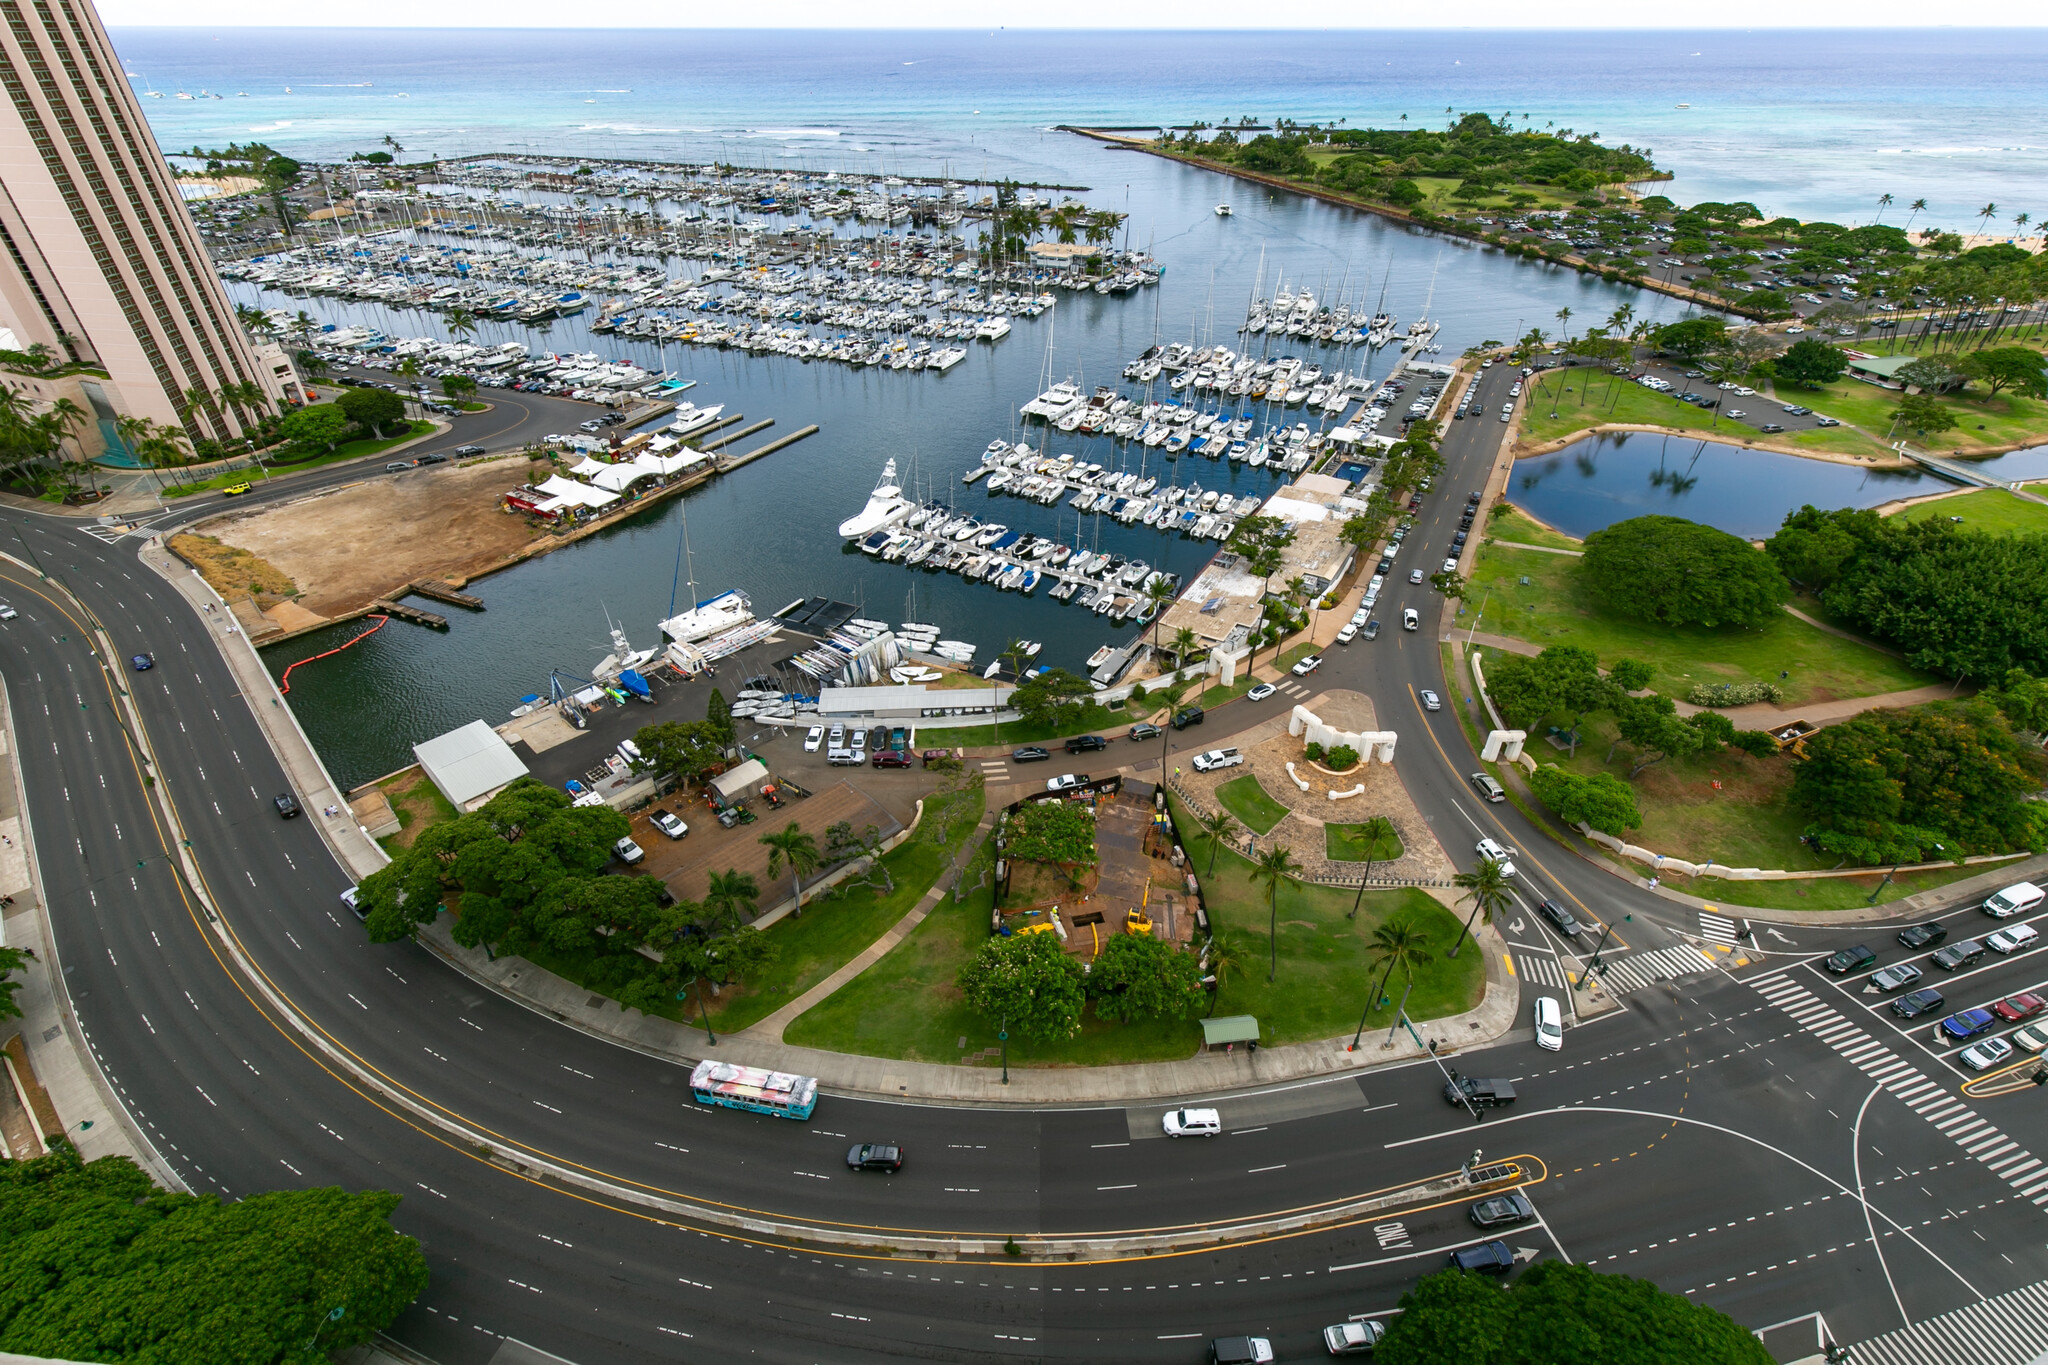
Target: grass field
1352	843
1518	529
348	450
1987	509
1612	398
1552	608
1980	422
907	1005
1247	800
1092	717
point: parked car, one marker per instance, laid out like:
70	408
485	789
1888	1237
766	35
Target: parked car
1030	753
1187	716
814	739
1307	666
1354	1338
628	851
1502	1208
1987	1054
892	758
431	457
1192	1123
1923	935
1067	782
469	450
1142	730
1372	630
933	757
397	466
1086	744
1966	1024
875	1156
2033	1038
1217	758
1846	960
670	824
1347	633
1261	692
2017	1009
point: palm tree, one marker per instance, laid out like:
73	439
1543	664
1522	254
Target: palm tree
1487	888
2019	223
1185	642
1221	826
1159	594
1397	943
799	850
461	322
732	898
1564	318
1984	217
1273	866
1918	207
1372	841
1225	958
1014	652
1884	201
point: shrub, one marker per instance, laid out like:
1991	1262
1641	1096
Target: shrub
1315	752
1756	743
1342	757
1735	694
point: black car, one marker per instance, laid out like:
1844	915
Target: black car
1850	960
1560	917
287	804
1386	567
1086	744
1480	1093
1490	1258
431	458
1504	1208
1923	935
1032	754
1957	956
875	1156
1190	716
1917	1002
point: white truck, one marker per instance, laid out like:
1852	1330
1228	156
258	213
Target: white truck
1217	758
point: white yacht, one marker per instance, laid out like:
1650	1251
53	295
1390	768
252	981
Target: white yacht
1223	210
691	419
886	505
712	616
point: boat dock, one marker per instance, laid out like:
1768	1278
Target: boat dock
713	447
405	613
770	448
445	592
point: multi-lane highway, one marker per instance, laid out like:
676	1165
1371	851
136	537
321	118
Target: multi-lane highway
1762	1141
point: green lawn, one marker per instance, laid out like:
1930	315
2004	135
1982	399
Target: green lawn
1552	608
1247	800
1826	893
1981	423
1987	509
1512	525
1353	844
907	1006
348	450
1612	398
1092	717
831	933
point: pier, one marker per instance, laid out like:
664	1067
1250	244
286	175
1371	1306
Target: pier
772	447
445	592
714	447
405	613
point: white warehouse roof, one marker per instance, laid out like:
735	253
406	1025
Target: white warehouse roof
469	764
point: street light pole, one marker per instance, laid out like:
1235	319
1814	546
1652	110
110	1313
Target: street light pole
1003	1036
1593	965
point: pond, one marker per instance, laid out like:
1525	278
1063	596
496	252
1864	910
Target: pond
1596	482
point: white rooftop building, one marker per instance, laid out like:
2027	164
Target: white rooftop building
470	765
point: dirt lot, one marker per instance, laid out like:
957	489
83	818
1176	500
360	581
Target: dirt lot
345	547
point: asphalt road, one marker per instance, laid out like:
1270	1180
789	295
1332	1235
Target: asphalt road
1703	1136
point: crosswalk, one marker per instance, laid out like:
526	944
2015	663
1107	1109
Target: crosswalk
1291	688
1540	969
1998	1153
1636	970
994	770
2008	1329
1717	928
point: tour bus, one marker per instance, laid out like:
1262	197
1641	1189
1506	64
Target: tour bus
750	1087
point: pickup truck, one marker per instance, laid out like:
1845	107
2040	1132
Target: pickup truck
1479	1093
1217	758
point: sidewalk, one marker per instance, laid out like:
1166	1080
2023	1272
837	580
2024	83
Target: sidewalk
352	846
1909	907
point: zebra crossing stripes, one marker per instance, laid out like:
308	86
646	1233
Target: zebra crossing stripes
1539	969
1718	928
1637	970
1950	1117
2008	1329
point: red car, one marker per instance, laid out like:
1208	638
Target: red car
2015	1008
892	758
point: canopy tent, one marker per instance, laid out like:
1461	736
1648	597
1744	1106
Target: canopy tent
1231	1028
740	780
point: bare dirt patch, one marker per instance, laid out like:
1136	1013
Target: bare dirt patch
417	803
359	542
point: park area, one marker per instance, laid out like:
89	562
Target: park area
1986	509
908	1005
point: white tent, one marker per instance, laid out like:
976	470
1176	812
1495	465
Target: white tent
741	780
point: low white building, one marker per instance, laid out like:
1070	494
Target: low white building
469	766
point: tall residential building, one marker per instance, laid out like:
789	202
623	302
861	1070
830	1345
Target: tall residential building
101	262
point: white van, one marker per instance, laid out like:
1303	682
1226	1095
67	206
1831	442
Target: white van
2017	899
1549	1024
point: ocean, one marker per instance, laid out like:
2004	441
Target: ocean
1816	125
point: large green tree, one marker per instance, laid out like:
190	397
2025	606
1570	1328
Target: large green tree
372	408
1810	363
1054	699
1136	976
1691	339
2008	367
1026	982
1677	572
1601	800
98	1264
1559	1314
323	426
685	749
1814	547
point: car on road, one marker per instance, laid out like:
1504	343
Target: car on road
1915	1003
1241	1351
143	662
1923	935
1430	700
7	613
1893	977
1957	956
1486	786
1086	744
1548	1019
1450	566
2011	938
1347	634
1067	782
468	450
1030	753
1489	1258
1846	960
2017	1009
431	457
892	758
1987	1054
1191	1123
1415	576
1142	730
2034	1037
875	1156
1567	924
1967	1024
234	490
1353	1338
1261	692
1187	716
1479	1092
1372	630
1493	851
1307	666
628	851
287	805
352	898
397	466
1502	1208
2016	899
814	739
1411	619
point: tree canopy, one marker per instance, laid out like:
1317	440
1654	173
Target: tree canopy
1561	678
1053	698
1691	339
1602	800
2008	367
1027	983
1811	363
1052	832
1560	1314
322	426
99	1264
1677	572
372	408
1136	976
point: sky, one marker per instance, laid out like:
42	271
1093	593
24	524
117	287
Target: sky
1074	14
